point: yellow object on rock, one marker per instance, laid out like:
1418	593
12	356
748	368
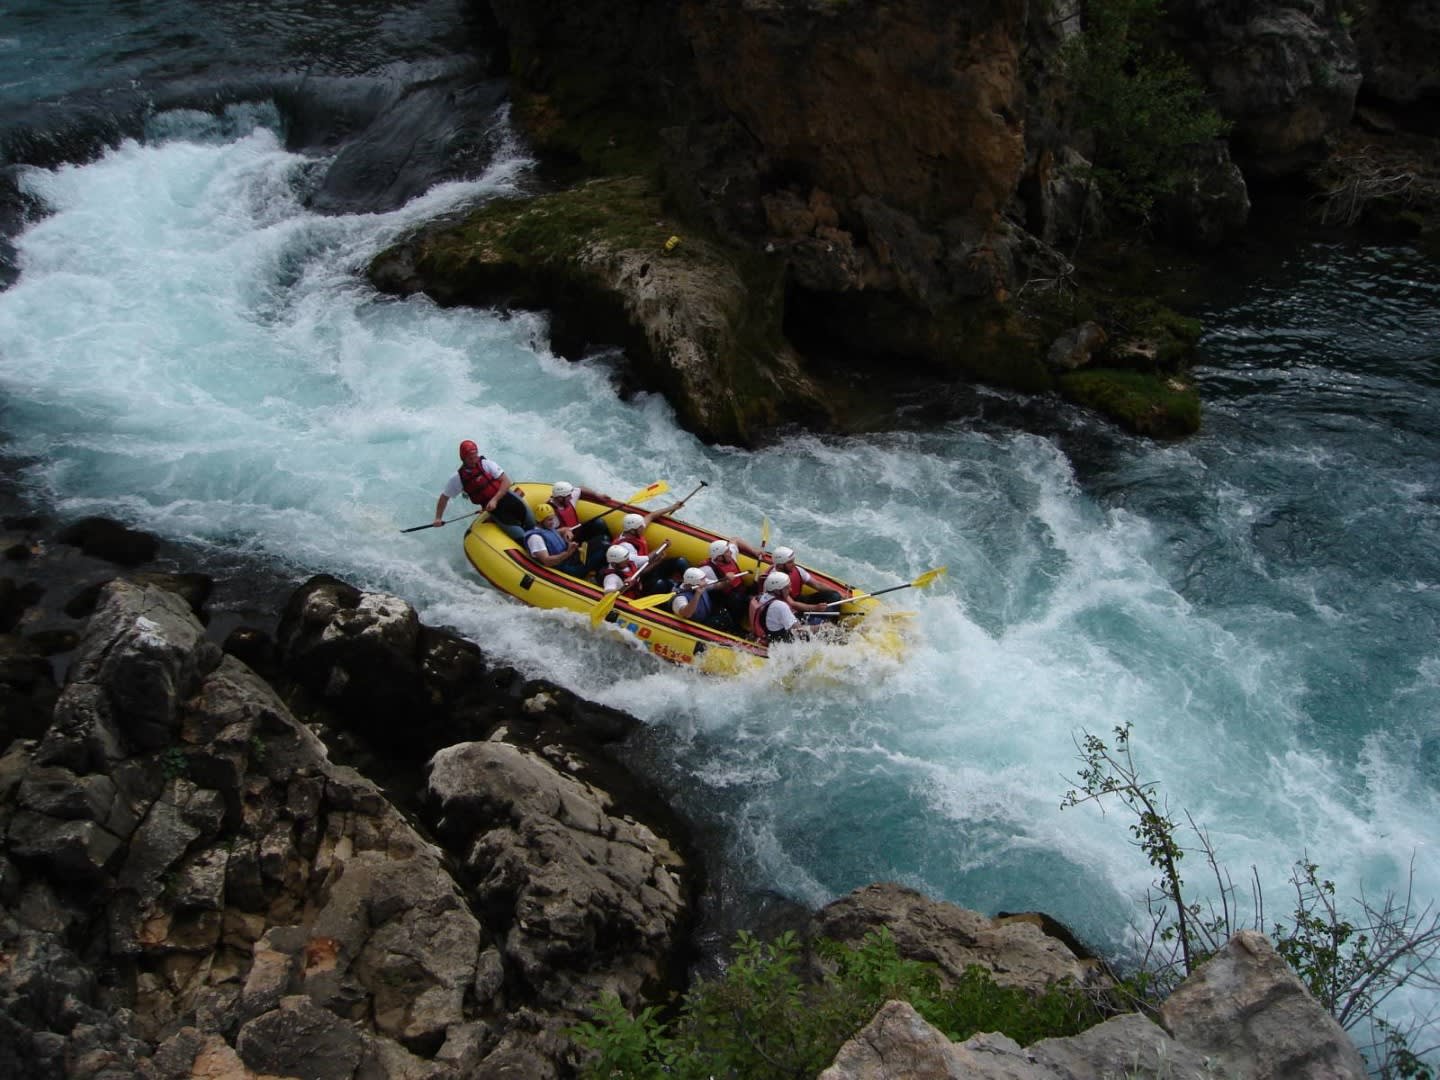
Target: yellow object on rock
671	244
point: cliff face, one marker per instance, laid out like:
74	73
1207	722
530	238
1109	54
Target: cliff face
914	173
884	139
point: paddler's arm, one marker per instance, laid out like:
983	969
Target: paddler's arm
664	512
440	505
504	487
686	608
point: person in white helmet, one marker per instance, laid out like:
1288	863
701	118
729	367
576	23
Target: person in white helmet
697	599
632	535
563	497
773	613
723	567
629	573
802	584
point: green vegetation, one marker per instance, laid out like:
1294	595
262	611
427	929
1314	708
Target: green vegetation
1351	968
1146	403
173	763
552	230
1144	107
763	1020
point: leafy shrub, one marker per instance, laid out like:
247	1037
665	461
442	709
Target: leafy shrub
764	1020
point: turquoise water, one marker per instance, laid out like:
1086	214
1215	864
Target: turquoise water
188	348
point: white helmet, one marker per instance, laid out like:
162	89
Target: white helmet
784	554
632	523
617	554
775	581
718	548
562	489
695	577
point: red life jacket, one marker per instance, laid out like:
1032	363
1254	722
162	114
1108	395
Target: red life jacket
757	618
479	485
796	581
637	542
626	570
724	567
566	512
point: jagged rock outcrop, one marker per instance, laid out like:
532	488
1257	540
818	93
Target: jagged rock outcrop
589	901
1398	42
700	321
1285	73
189	886
1244	1013
1246	1010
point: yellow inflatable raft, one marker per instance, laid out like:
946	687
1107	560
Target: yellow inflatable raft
508	566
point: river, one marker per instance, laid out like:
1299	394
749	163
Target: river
188	343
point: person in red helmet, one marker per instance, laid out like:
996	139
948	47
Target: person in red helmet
486	484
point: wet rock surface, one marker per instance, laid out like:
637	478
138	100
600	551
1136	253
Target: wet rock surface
190	885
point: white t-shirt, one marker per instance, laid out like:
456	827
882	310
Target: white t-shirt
778	616
453	487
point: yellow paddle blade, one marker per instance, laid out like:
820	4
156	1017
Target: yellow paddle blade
764	532
928	576
659	487
602	608
645	603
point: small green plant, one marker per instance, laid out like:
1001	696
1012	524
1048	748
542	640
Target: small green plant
258	749
764	1019
173	763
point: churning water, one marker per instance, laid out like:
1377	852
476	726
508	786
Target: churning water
189	348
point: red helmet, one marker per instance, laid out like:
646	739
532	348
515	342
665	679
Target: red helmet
468	447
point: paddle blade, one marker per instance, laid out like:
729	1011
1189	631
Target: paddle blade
659	487
645	603
602	608
929	576
764	533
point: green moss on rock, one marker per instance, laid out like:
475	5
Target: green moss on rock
1158	405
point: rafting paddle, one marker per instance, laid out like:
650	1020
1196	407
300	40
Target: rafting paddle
436	525
606	603
920	582
659	487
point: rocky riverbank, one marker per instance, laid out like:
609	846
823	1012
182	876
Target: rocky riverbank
915	188
192	883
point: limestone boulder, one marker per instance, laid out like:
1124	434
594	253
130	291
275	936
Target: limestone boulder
589	900
1017	952
1398	41
1285	73
357	650
1247	1010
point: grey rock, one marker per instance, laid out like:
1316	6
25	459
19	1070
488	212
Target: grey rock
301	1039
146	648
1017	952
1077	347
592	900
74	852
1246	1009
